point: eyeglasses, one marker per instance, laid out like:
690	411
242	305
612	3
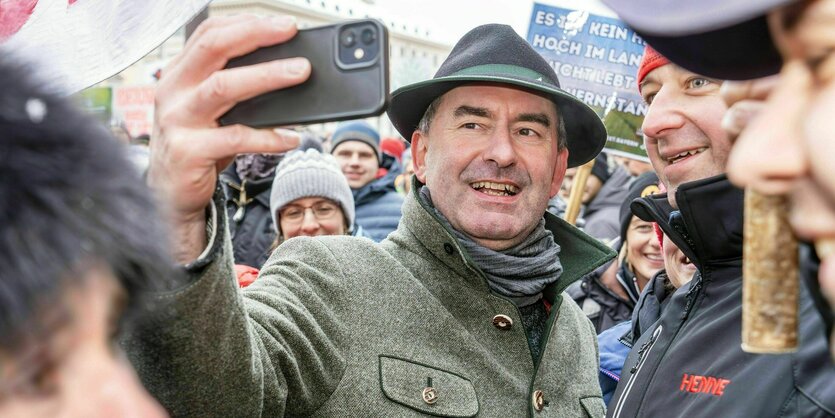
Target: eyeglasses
321	211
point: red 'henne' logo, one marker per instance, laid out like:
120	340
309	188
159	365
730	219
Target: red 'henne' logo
694	383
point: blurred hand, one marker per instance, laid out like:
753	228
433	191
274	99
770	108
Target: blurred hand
769	155
189	149
745	100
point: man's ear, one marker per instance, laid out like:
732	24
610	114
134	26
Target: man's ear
559	171
420	144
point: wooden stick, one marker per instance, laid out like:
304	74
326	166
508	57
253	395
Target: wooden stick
575	197
770	282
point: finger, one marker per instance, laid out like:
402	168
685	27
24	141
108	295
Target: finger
223	89
738	116
768	154
217	45
218	144
208	24
825	72
758	89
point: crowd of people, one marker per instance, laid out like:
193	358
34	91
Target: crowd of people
233	271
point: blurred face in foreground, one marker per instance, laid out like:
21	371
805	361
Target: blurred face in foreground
491	161
79	370
787	147
682	128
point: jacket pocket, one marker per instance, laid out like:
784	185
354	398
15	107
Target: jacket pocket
427	389
593	405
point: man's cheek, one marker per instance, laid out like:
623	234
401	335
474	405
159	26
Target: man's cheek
819	144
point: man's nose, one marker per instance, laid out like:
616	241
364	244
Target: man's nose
769	154
664	115
500	148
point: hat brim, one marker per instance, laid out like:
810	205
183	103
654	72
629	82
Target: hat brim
586	132
681	18
743	51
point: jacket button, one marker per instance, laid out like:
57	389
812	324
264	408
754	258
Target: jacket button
502	322
538	400
430	395
448	248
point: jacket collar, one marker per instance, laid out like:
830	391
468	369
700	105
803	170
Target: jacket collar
709	227
254	189
580	254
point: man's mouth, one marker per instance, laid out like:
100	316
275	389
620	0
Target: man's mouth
495	189
682	155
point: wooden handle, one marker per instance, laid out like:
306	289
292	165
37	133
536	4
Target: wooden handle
771	285
575	196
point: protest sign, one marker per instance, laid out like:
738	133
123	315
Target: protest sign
596	59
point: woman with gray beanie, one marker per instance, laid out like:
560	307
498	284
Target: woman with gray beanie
311	197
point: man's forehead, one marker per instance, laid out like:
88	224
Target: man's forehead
354	145
474	94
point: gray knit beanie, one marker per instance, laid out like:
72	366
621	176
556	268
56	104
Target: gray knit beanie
310	174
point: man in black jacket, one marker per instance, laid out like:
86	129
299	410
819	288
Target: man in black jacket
790	114
690	362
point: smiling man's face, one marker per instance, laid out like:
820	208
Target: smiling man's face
682	128
491	161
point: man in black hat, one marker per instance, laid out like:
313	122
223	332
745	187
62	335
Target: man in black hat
746	40
458	312
691	361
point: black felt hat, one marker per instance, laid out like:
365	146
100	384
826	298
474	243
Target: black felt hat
725	39
496	54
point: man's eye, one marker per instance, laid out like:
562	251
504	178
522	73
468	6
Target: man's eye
528	132
648	98
470	125
698	82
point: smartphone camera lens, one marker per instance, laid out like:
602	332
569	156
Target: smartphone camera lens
348	38
368	36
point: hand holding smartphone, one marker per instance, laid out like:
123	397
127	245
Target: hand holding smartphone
349	78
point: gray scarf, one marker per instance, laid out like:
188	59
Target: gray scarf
519	273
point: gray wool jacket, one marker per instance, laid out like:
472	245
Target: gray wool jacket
341	326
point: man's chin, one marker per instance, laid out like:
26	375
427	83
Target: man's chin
495	231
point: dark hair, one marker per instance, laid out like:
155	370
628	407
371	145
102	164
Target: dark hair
69	200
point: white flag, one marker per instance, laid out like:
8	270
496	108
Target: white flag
77	43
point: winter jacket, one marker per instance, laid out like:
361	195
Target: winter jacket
603	307
809	266
338	326
602	214
378	207
654	298
613	351
252	229
689	363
